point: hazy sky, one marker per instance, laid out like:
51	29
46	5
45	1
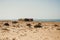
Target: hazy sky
40	9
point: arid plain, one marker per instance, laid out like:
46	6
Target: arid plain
29	30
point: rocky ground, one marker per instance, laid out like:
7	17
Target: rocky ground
29	30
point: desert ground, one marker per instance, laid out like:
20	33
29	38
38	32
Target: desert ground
29	30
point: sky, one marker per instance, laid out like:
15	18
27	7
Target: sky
37	9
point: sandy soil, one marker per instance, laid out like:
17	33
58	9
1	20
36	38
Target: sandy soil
20	31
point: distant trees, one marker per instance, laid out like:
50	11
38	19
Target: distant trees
26	19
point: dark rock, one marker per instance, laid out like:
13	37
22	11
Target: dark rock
38	25
58	28
13	39
6	24
55	25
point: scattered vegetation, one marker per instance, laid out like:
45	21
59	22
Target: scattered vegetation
26	19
